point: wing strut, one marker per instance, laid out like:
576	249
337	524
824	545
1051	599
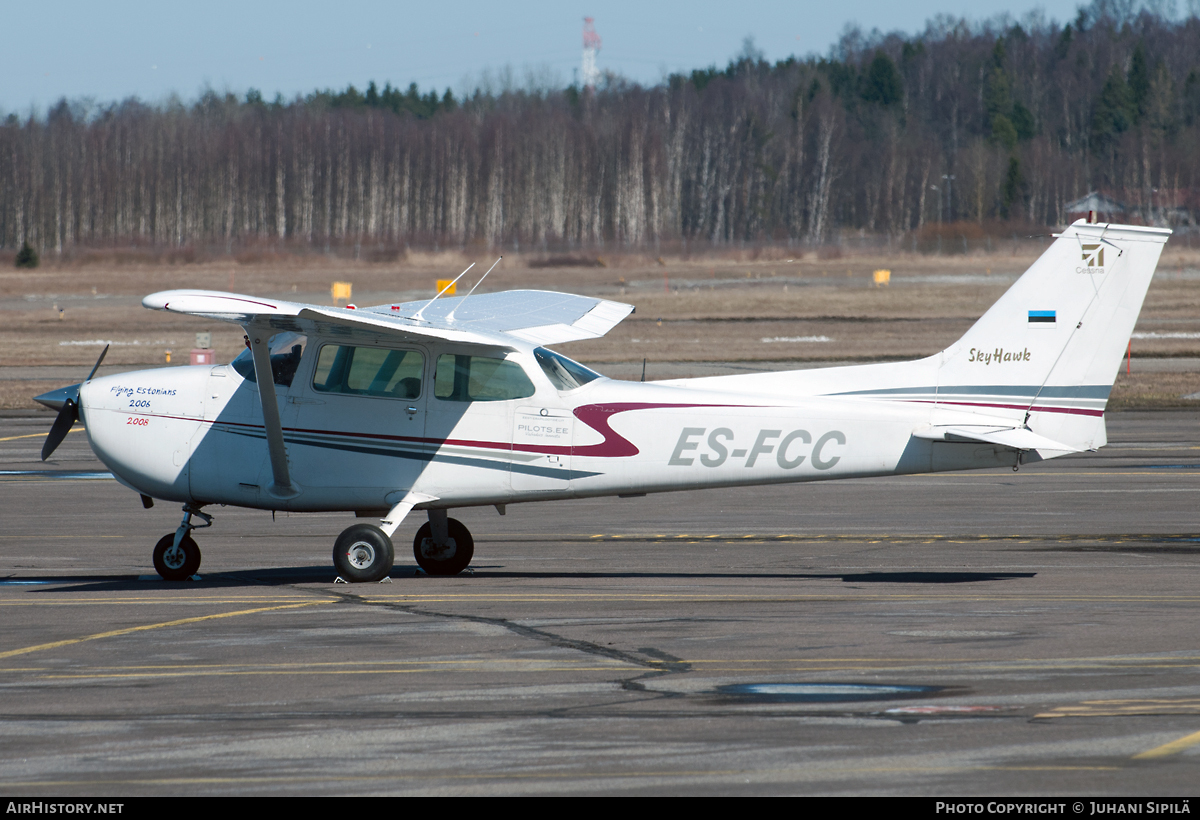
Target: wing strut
283	486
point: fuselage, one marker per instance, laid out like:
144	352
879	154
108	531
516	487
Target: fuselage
421	419
456	402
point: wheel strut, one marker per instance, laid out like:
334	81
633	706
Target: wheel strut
186	526
176	556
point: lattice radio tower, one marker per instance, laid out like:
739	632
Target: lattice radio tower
591	44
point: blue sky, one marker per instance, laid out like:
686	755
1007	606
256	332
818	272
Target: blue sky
122	48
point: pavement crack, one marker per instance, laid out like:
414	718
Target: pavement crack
669	662
651	660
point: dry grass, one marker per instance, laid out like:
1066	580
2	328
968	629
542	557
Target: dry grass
18	395
1154	390
716	308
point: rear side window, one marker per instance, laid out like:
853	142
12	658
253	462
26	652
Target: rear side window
479	378
369	371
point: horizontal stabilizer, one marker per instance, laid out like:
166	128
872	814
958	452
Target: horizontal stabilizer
1014	438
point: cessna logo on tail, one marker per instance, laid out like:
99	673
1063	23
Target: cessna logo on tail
1093	259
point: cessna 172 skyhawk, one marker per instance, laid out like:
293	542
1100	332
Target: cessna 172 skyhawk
457	402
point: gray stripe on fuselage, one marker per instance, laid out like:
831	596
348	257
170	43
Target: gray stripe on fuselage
1097	391
487	464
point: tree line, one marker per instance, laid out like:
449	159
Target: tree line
885	135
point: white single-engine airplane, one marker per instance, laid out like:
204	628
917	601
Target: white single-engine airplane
457	403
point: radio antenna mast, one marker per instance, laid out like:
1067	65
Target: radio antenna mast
591	45
418	317
450	318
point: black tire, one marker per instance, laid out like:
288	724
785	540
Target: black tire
454	558
363	553
176	566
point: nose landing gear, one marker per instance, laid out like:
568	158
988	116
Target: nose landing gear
176	556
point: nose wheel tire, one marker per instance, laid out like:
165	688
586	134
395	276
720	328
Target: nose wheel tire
363	553
450	558
176	563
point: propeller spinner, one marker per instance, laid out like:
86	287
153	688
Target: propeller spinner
66	399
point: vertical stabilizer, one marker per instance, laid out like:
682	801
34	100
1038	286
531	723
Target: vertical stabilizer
1047	353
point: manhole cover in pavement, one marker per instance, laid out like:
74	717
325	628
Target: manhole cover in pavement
825	692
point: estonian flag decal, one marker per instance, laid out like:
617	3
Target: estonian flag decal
1041	317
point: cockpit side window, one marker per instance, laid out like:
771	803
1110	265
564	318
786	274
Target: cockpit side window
562	372
286	351
479	378
369	371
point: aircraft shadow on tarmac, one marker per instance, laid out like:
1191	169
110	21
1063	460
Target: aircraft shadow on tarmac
280	576
911	577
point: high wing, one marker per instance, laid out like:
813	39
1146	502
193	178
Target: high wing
507	320
532	317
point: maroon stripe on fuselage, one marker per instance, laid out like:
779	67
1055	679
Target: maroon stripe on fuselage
1074	411
595	416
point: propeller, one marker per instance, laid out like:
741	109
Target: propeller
68	413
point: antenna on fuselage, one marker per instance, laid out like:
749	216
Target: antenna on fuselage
450	318
417	315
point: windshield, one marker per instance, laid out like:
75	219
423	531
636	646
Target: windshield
563	373
286	350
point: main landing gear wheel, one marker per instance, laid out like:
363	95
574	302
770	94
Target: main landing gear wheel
176	563
363	553
450	558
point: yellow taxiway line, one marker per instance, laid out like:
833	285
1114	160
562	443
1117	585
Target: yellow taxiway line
130	630
1174	747
39	435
